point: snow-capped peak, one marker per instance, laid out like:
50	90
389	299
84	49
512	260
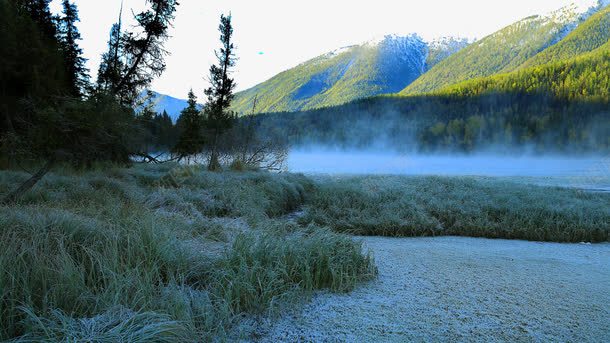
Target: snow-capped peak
447	42
584	6
339	51
576	11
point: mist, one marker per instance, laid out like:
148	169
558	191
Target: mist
591	172
504	124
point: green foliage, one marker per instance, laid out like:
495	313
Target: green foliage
164	132
109	72
96	129
588	36
76	71
190	125
43	80
30	64
586	77
505	121
158	131
39	12
478	207
500	52
134	58
217	111
126	255
345	75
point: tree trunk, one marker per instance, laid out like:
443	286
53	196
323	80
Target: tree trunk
27	185
214	164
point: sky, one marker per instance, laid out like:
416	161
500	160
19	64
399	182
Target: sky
274	35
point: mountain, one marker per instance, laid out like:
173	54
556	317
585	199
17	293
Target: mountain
588	36
577	67
583	78
558	107
411	66
502	51
540	85
442	48
377	67
171	105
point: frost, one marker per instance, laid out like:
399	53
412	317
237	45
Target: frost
464	289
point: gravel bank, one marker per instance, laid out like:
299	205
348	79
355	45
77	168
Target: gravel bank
464	289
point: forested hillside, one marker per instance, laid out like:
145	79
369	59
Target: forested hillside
554	100
588	36
501	122
500	52
584	78
348	74
558	107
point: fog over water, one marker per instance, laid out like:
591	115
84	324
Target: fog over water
574	171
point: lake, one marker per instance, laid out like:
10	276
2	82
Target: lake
591	172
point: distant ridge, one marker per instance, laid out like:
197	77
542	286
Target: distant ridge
173	106
408	65
386	65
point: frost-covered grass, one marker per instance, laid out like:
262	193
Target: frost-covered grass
158	253
173	253
464	206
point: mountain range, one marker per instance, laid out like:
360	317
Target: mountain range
378	67
410	66
577	67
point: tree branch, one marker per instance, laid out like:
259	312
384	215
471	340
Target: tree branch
29	183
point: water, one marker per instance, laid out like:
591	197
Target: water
585	172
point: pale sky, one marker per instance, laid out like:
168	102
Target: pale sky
275	35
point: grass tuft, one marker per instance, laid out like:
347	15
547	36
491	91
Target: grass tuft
119	255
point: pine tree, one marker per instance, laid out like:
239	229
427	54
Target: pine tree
76	72
220	94
163	127
109	73
30	69
167	131
134	59
40	13
144	52
146	122
191	139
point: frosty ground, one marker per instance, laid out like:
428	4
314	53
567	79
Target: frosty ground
172	253
464	289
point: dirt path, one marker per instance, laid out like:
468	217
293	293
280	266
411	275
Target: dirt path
465	289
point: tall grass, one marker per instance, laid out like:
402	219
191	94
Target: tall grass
466	206
117	255
167	253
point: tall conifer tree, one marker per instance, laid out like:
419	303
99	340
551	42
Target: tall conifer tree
220	93
190	123
76	71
